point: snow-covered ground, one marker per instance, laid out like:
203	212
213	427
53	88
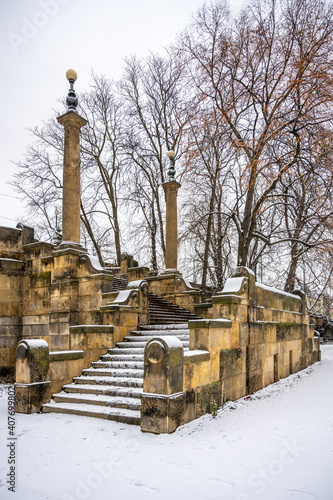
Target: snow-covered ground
276	445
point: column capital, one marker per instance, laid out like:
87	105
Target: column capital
171	185
71	118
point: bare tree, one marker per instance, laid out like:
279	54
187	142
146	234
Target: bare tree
152	91
269	77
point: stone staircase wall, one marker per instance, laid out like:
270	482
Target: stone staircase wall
253	336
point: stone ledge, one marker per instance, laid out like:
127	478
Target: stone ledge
228	299
203	305
91	329
196	356
65	355
210	323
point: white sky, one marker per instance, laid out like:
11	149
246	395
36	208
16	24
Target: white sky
41	39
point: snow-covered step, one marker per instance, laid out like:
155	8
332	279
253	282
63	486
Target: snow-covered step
171	326
118	414
127	392
145	338
98	399
129	345
128	350
158	333
122	382
122	357
118	364
109	372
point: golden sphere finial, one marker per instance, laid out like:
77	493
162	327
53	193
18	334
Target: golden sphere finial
71	75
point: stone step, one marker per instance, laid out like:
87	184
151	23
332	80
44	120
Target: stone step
98	399
117	381
126	392
156	320
112	387
109	372
173	326
169	314
128	350
122	357
117	414
169	310
157	332
145	338
119	364
129	345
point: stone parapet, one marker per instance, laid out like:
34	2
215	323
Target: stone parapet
251	336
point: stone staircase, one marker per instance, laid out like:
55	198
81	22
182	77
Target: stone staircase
163	312
118	284
111	388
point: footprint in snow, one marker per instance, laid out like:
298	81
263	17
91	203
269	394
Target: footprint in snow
301	494
226	483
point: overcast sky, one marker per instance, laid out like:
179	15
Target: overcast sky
41	39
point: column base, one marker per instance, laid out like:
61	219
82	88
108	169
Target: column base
29	398
162	414
170	271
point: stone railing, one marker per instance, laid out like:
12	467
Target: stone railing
40	373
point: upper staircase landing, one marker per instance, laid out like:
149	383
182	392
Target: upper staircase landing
162	312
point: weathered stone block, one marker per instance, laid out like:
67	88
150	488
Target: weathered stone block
254	358
190	406
197	373
205	396
234	387
243	334
255	381
268	378
209	334
161	413
268	365
29	398
230	363
256	333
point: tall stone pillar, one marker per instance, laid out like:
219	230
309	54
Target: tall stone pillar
72	123
171	234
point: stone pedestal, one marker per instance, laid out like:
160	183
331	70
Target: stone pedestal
72	123
29	398
163	399
32	366
171	189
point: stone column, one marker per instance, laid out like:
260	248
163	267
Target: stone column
72	122
171	189
32	389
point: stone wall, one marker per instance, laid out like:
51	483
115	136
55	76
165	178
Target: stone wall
11	295
251	336
46	290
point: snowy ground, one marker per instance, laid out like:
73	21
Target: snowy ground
276	445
